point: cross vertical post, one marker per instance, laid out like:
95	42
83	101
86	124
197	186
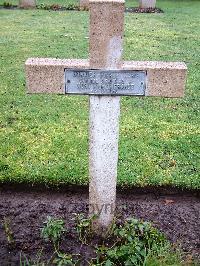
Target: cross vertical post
106	36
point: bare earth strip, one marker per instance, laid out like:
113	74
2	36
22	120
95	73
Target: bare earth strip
175	212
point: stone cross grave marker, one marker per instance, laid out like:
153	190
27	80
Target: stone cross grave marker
147	3
27	3
84	4
105	77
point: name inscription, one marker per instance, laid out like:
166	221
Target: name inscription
105	82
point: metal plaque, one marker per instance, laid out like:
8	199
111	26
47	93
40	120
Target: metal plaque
105	82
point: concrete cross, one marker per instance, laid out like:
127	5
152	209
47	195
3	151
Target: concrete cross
147	3
27	3
94	77
84	4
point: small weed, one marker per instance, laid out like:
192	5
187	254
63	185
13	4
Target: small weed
84	227
53	230
64	259
72	7
55	7
43	6
25	261
84	8
8	232
7	5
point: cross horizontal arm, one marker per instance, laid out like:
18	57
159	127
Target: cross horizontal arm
165	79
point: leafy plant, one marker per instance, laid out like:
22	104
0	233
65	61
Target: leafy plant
72	7
84	227
44	6
53	230
133	241
63	259
7	4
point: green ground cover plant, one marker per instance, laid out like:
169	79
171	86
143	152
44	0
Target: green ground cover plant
53	230
44	138
131	242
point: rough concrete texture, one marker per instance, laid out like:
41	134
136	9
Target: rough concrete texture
103	157
106	34
46	75
166	79
147	3
27	3
84	4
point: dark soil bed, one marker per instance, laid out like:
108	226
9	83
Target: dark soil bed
143	10
174	212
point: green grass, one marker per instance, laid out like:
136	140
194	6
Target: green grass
44	138
48	2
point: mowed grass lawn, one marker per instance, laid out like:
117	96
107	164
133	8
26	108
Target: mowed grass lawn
44	138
